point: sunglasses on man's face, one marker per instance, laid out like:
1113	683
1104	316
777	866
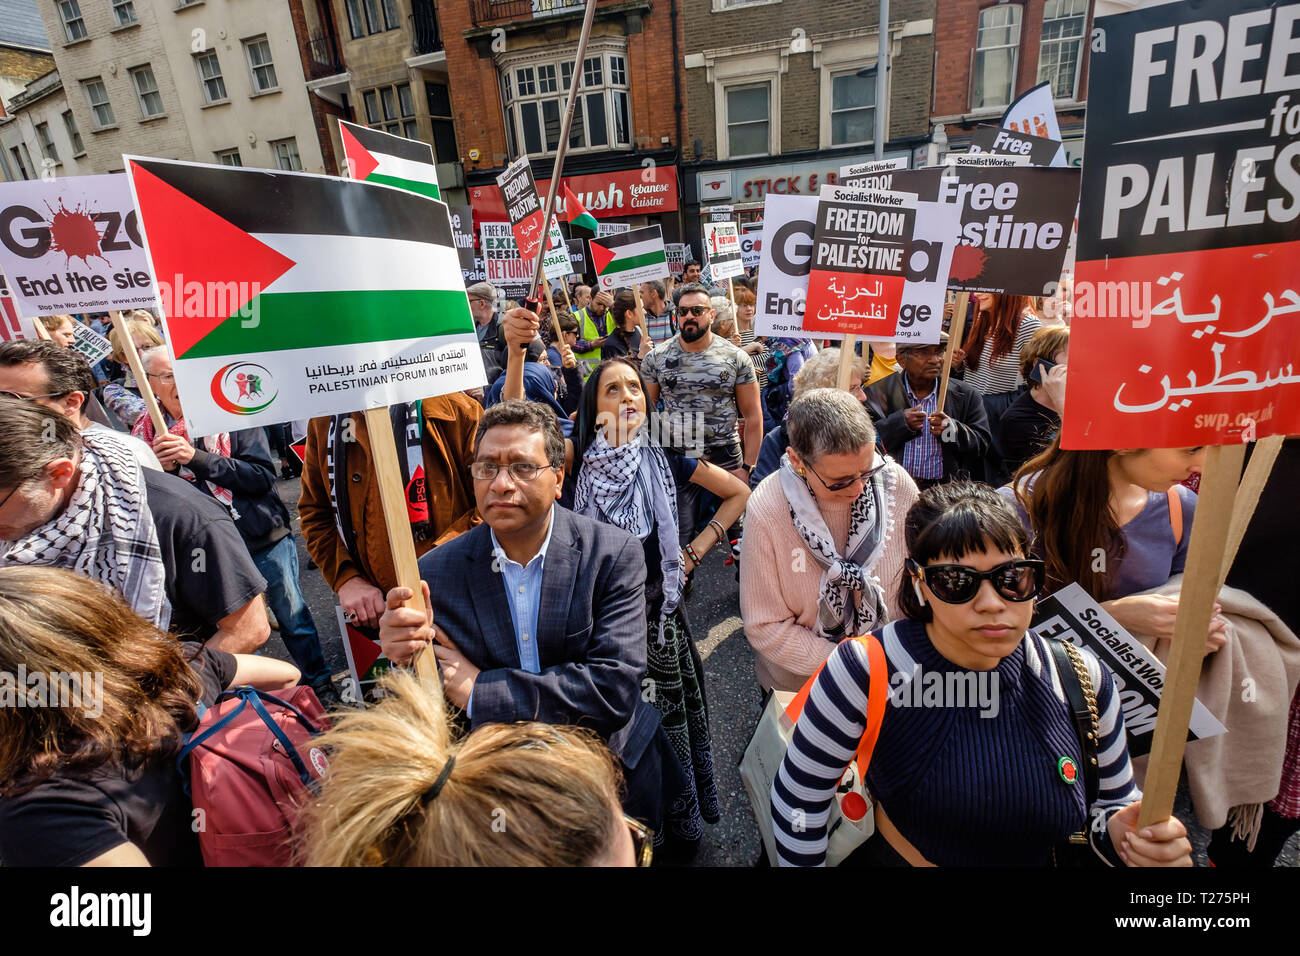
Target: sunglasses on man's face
1016	581
696	310
643	840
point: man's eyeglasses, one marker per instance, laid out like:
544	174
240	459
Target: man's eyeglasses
696	310
841	485
1016	581
165	377
32	398
519	470
643	840
5	500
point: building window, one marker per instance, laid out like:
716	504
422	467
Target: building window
853	108
74	134
259	60
97	97
444	131
1062	46
43	137
214	85
74	27
229	157
747	120
124	13
997	46
534	104
391	109
146	87
286	154
23	168
365	17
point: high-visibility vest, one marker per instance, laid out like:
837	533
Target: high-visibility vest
589	330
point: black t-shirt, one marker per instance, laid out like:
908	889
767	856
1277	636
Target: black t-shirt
621	343
209	571
69	820
1026	429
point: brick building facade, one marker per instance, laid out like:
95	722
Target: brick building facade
989	52
782	93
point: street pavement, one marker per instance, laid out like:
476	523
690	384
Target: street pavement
734	696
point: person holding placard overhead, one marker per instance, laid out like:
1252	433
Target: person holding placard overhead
998	773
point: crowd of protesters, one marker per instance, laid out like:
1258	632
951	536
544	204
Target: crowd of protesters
560	517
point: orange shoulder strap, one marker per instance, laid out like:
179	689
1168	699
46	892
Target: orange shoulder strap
877	695
1176	515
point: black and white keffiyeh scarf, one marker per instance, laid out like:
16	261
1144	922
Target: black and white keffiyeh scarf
838	615
106	532
632	488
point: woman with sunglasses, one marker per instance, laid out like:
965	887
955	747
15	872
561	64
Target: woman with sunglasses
983	778
442	802
625	478
822	552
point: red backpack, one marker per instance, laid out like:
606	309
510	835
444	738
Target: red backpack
247	767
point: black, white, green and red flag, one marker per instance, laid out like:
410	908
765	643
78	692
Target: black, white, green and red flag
575	214
297	295
630	257
374	156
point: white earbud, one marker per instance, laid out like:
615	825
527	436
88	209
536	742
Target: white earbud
916	585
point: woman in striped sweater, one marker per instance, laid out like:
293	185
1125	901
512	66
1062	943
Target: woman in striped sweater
990	777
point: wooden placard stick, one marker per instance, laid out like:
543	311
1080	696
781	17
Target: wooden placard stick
1252	486
640	310
123	326
383	458
555	319
955	330
848	349
1187	651
568	303
731	294
42	332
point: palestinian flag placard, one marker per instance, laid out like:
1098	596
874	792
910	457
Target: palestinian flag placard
630	257
374	156
297	295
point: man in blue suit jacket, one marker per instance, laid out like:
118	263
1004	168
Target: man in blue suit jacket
538	613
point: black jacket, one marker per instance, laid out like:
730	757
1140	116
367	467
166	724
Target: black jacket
248	473
964	456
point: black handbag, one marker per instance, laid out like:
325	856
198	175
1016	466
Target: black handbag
1077	851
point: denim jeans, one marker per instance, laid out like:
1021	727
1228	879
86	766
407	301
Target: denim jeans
279	565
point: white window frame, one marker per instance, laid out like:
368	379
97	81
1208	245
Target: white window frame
292	142
74	134
219	77
223	154
124	6
107	103
837	56
765	85
722	6
1015	58
830	107
766	66
556	63
136	72
66	7
254	67
1044	43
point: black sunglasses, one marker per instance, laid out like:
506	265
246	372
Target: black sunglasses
1016	581
695	310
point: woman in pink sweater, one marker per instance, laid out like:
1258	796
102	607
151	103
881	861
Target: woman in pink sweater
822	557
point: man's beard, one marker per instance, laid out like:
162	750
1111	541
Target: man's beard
693	333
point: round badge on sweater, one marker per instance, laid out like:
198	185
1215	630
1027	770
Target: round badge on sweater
1068	769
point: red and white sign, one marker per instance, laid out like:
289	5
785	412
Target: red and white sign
611	195
1186	325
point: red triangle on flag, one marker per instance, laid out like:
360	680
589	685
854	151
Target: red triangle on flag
600	256
190	244
364	651
360	164
300	450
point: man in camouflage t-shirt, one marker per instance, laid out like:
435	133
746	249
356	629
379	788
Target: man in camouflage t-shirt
706	383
